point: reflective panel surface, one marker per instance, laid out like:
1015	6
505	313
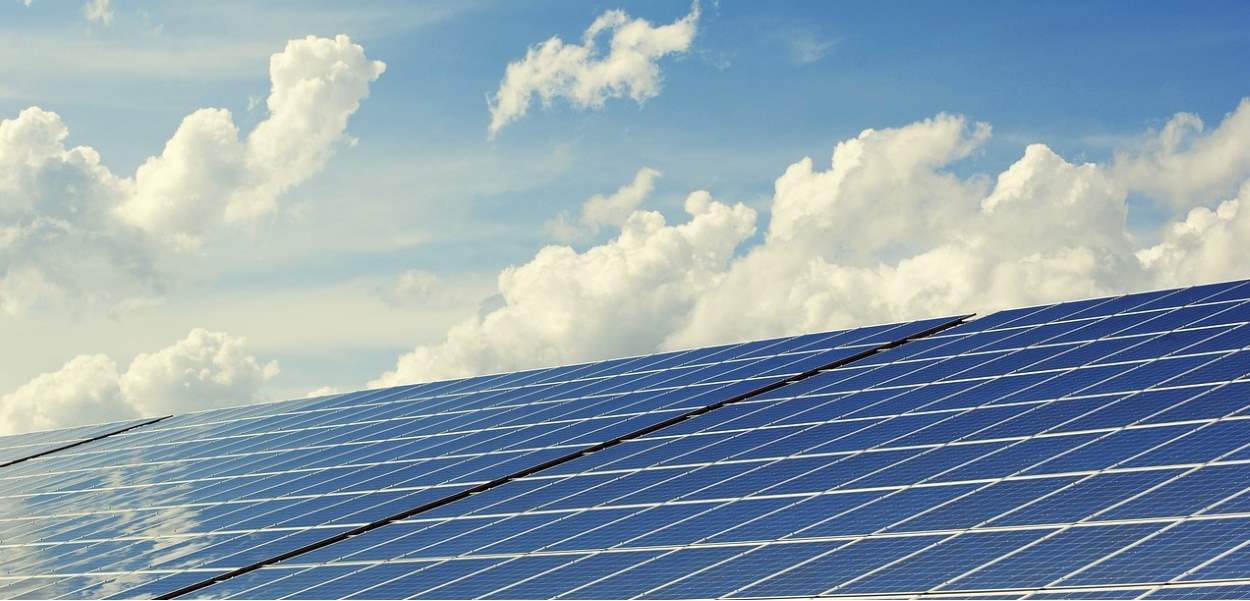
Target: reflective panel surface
1081	450
153	509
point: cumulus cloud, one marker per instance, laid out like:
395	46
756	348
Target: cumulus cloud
582	75
202	371
604	210
1047	229
885	193
1207	245
59	236
564	305
1182	164
96	11
887	231
71	229
208	175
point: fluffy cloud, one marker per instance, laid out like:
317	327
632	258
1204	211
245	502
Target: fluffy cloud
1182	165
884	194
1046	230
1208	245
607	301
886	232
207	175
201	371
600	210
59	236
581	75
71	229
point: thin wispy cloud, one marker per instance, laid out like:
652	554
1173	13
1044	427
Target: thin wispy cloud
804	47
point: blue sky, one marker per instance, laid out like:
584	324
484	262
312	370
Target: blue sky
415	184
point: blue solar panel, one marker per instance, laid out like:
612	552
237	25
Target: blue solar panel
151	510
17	448
1089	449
1092	449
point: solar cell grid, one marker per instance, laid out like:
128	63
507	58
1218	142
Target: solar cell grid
1208	592
1107	433
154	509
990	467
23	447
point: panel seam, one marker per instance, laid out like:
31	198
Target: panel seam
83	442
868	352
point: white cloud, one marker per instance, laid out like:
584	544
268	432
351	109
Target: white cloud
59	239
581	75
608	301
204	370
599	210
97	11
1182	165
1208	245
1047	230
887	232
72	230
885	193
207	175
85	390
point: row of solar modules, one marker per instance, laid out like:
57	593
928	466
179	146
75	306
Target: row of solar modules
22	447
1096	448
192	497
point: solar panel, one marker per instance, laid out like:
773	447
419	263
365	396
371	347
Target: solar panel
23	447
151	510
1094	449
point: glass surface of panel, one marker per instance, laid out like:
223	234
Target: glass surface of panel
995	455
211	492
1090	446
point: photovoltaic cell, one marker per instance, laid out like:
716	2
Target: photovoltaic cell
1094	449
1091	449
150	510
23	447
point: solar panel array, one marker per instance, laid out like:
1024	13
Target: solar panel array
154	509
24	447
1086	449
1092	449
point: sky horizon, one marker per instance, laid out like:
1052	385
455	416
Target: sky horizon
204	205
